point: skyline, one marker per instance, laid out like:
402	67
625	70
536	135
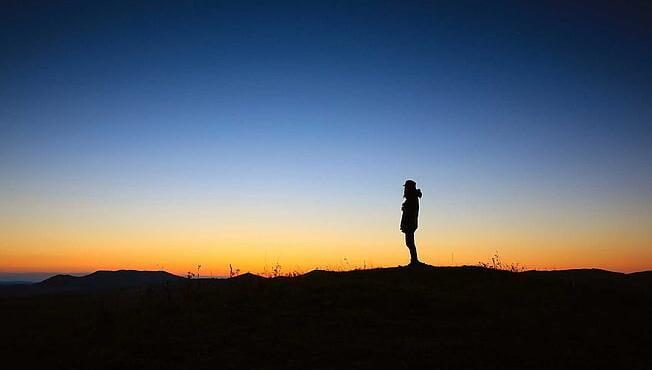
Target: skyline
176	135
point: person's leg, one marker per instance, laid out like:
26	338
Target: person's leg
409	242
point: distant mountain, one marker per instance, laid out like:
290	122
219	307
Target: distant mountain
577	274
642	276
101	280
97	281
32	277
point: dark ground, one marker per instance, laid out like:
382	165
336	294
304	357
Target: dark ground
397	318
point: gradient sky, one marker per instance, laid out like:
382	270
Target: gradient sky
166	135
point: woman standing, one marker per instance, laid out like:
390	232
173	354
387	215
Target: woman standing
409	222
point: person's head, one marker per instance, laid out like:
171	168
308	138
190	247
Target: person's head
410	189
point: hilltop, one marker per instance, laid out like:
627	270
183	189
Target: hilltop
434	317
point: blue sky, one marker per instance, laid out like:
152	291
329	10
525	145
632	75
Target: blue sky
508	106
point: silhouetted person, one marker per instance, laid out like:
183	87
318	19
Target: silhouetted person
409	222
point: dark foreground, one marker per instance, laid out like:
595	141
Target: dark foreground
443	318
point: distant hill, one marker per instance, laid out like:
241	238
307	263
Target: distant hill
577	274
642	276
31	277
102	280
97	281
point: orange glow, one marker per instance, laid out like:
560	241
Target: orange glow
77	245
63	236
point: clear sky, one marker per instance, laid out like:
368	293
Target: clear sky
167	135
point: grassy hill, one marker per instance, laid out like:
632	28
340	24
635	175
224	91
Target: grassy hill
402	318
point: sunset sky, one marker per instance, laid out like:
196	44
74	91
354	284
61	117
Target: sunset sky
167	135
